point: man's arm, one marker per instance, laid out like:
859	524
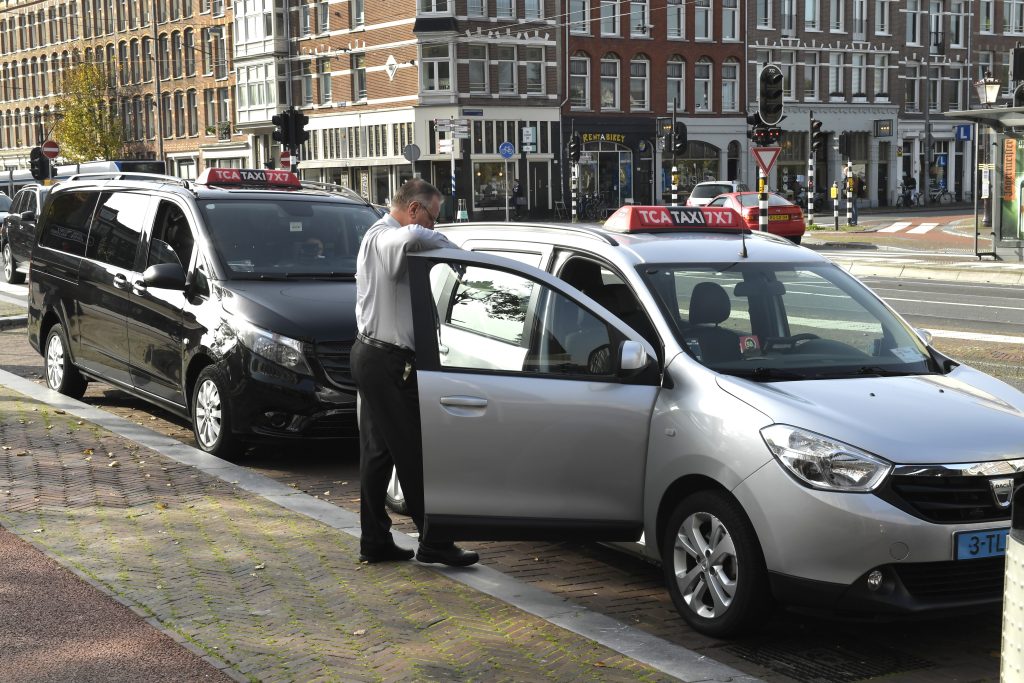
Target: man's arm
411	238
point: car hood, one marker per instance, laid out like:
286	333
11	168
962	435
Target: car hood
306	310
965	416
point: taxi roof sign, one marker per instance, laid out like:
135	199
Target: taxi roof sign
631	218
249	177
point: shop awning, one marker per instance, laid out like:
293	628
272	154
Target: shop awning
999	118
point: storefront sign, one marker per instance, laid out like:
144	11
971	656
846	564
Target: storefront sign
1009	168
604	137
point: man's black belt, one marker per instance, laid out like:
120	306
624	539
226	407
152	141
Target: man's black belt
386	346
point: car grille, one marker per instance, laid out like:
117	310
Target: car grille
337	426
948	499
964	580
334	357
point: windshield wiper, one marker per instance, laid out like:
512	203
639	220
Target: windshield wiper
764	374
321	275
870	371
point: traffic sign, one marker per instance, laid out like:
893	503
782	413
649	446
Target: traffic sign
444	146
286	159
507	149
50	149
765	157
529	136
444	125
529	148
411	153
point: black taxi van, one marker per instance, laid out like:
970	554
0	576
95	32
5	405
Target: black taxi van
229	300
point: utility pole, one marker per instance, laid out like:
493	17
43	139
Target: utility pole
675	168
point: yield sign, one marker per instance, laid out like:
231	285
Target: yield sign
765	157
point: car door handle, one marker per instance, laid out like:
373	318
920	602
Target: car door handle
463	402
442	349
120	281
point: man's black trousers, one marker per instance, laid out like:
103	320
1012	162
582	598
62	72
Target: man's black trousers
389	434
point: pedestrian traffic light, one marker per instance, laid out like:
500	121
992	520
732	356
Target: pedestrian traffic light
844	145
298	125
818	136
679	138
39	164
770	99
283	127
574	149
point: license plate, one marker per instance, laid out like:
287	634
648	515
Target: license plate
972	545
779	217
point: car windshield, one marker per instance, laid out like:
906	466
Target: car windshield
773	200
269	238
711	190
779	321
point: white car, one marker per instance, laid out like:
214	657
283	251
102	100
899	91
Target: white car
704	192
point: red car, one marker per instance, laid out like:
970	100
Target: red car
784	217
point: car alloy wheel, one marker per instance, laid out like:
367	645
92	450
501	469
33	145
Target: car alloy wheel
11	274
713	565
211	414
61	375
208	414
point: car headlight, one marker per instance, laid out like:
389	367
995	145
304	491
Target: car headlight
824	463
276	348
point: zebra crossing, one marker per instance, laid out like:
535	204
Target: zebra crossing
900	226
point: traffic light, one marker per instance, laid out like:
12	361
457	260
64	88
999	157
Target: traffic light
773	135
760	136
818	136
299	133
756	124
844	145
770	100
1018	96
283	127
39	164
679	138
574	149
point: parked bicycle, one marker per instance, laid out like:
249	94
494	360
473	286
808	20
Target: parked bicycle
939	195
909	196
593	207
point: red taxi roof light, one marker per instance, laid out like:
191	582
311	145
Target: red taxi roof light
248	177
631	219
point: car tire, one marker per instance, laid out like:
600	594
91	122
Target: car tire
211	414
796	240
714	567
394	498
61	375
11	274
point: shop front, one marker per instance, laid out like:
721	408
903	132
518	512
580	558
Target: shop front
702	161
617	159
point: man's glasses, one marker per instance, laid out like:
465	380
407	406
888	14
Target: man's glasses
433	218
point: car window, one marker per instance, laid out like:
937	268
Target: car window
718	201
66	223
18	205
286	237
5	203
117	227
704	191
776	200
172	240
492	319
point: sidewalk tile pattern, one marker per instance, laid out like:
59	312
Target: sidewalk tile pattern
275	595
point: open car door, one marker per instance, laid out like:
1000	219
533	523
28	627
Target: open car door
535	403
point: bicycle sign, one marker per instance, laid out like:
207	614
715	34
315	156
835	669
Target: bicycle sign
507	150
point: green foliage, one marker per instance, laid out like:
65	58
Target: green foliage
89	127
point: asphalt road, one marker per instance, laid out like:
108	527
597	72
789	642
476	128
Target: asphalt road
791	647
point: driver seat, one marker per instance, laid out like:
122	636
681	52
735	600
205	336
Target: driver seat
709	308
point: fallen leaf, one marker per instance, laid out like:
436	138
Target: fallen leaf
21	453
359	632
81	422
161	506
37	531
112	463
60	412
327	493
88	451
600	664
261	565
89	459
49	426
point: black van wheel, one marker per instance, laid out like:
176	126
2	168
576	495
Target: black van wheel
211	414
61	375
11	274
713	565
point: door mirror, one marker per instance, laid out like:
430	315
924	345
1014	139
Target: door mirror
165	276
633	356
28	215
925	335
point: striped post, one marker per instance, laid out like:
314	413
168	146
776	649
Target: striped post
835	203
574	171
675	185
809	191
762	201
849	191
454	203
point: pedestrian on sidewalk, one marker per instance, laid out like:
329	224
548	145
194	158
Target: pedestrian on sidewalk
384	369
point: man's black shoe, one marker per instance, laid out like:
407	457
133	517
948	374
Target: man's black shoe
387	553
446	553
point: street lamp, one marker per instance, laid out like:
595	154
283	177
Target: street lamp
988	91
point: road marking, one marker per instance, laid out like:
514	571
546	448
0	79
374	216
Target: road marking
951	303
895	227
977	336
923	228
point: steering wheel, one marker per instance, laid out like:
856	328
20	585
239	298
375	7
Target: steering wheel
790	342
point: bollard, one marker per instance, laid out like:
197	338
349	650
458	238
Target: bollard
1011	665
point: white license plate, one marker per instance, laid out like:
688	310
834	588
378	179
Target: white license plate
972	545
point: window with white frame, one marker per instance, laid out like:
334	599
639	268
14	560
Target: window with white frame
764	14
837	15
985	65
788	19
730	20
433	6
858	74
533	63
702	93
957	94
811	76
639	84
786	61
703	26
323	18
860	19
936	40
609	17
579	17
676	19
533	9
359	76
579	82
437	68
639	18
835	74
478	68
307	83
957	24
476	8
305	25
1013	16
812	15
505	56
882	17
505	9
610	83
911	95
881	75
676	91
358	10
934	89
986	16
730	85
913	17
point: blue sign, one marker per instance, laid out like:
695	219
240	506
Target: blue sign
940	159
507	149
963	131
472	112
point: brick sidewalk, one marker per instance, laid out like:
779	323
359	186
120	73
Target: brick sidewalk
275	595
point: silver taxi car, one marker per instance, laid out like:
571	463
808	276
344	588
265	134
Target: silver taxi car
729	404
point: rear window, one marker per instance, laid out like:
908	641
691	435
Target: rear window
708	191
773	200
66	221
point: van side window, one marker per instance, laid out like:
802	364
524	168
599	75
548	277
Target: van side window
117	227
172	238
67	222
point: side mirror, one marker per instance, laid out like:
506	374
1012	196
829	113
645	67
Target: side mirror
925	335
165	276
28	215
633	356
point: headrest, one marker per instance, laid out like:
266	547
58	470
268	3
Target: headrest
616	298
709	303
584	275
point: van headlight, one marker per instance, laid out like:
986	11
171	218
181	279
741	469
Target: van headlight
276	348
824	463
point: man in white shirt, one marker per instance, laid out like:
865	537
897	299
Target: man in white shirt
384	368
